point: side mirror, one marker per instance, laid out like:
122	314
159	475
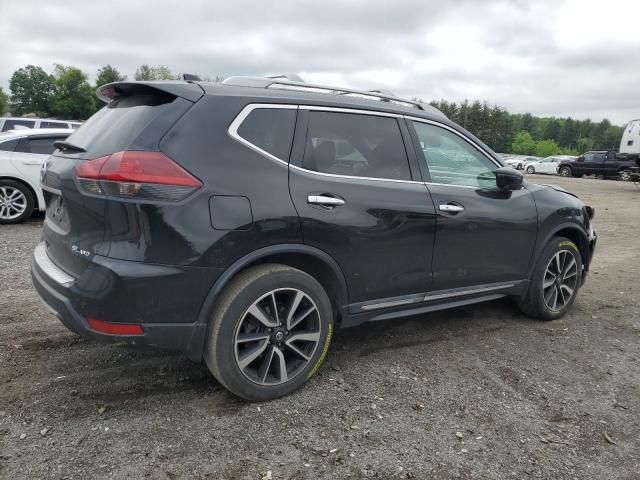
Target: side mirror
581	158
508	178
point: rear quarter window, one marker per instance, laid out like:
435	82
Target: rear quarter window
270	129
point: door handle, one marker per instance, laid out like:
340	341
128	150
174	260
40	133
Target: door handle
32	162
449	208
325	201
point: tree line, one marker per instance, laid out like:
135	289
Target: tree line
527	134
67	94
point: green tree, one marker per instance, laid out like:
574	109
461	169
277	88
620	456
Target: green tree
160	72
4	102
546	148
523	144
74	96
108	74
32	91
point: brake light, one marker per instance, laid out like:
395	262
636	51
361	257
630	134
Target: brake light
136	174
115	328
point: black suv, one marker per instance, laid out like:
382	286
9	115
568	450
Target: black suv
242	222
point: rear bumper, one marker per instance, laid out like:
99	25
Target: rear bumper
165	301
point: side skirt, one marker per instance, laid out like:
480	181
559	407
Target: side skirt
414	304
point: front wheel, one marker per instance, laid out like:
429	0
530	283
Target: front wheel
531	170
564	172
555	281
269	333
624	175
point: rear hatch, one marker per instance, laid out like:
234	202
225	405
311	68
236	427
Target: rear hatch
126	132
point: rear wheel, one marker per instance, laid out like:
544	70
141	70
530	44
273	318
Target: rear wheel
270	332
530	169
555	282
16	202
564	171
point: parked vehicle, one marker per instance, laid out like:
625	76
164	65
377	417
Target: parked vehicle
12	123
22	154
242	222
518	162
630	142
601	163
548	165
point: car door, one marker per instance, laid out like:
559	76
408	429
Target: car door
31	152
548	166
593	163
484	235
358	194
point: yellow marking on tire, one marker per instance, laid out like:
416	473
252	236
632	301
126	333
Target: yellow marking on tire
324	353
567	243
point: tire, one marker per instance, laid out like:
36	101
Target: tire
624	175
236	334
538	301
16	201
531	170
565	171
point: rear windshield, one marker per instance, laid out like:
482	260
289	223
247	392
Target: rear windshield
119	123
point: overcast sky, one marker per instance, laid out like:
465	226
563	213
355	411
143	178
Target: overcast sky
577	58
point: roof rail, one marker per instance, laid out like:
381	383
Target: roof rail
287	84
292	77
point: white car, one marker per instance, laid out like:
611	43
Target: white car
519	162
22	154
19	123
548	165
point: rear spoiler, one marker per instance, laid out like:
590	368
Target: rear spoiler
187	90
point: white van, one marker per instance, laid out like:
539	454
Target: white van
12	123
630	142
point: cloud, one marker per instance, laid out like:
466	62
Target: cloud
545	57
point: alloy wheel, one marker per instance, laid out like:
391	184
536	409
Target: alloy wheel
277	336
560	280
625	176
530	170
13	203
564	172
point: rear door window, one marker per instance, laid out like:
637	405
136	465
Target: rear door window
271	130
42	146
355	145
11	124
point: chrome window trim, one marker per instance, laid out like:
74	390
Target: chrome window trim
241	117
244	113
354	111
353	177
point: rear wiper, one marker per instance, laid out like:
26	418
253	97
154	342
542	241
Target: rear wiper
65	146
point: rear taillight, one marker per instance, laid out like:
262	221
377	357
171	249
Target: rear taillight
136	175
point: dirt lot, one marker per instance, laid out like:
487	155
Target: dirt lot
477	392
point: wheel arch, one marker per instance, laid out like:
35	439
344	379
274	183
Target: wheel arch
311	260
573	232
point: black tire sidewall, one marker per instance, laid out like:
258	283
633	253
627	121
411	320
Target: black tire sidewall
565	169
535	296
223	353
28	195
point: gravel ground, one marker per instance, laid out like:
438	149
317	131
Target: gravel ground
476	392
